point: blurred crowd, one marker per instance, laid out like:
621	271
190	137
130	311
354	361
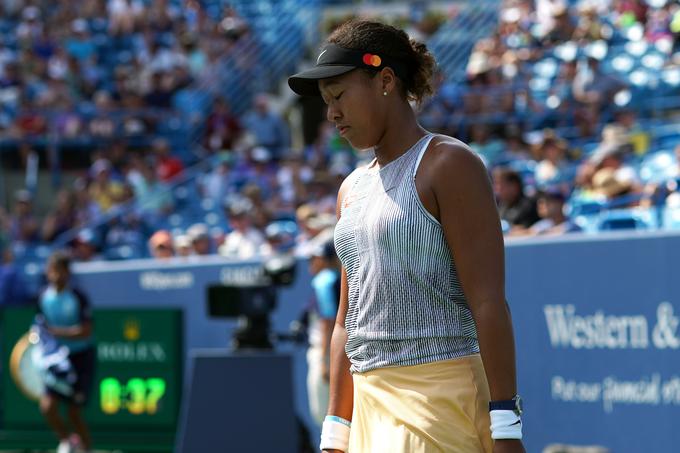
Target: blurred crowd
104	68
556	120
249	185
542	66
556	152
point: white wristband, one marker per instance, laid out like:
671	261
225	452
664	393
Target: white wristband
335	433
505	425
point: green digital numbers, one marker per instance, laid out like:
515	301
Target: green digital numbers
110	390
138	396
156	391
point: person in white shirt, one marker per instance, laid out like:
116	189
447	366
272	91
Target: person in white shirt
244	241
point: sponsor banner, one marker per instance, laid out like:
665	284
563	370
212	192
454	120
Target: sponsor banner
598	341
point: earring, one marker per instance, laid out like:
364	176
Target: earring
384	93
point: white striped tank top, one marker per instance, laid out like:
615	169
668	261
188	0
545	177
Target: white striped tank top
406	305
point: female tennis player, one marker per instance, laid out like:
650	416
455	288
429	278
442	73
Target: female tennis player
422	351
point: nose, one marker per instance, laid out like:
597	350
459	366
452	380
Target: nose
333	113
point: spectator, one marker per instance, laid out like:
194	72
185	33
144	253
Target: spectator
222	129
62	217
552	167
103	125
85	246
553	221
80	45
127	229
323	193
182	245
13	290
200	240
30	28
23	225
563	27
122	15
291	179
161	245
610	154
221	181
513	205
614	188
119	158
482	143
259	170
637	135
244	241
589	27
87	210
260	213
159	94
267	128
153	197
280	239
593	89
104	191
167	166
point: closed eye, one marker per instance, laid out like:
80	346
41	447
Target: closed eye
338	96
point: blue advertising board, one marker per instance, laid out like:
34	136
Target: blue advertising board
596	326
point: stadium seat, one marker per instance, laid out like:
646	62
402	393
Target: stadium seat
626	219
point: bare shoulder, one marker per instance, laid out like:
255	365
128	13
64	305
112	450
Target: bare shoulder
449	161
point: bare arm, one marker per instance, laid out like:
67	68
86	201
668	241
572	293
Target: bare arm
327	326
341	388
83	330
469	218
341	397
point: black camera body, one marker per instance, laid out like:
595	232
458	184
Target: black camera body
252	303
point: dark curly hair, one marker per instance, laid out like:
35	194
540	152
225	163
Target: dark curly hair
383	39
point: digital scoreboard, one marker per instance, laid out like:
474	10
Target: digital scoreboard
138	373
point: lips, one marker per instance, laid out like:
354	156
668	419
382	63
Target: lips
342	129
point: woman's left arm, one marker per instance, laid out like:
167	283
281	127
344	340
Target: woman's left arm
469	217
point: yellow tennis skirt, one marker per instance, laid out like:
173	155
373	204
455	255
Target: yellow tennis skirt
436	407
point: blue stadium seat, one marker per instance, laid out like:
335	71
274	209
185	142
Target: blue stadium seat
626	219
659	166
671	219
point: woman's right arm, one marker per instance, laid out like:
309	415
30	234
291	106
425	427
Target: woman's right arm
340	401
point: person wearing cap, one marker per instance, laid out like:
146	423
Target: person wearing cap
321	318
244	241
182	245
422	351
84	246
199	236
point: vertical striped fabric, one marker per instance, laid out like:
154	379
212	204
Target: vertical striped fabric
406	305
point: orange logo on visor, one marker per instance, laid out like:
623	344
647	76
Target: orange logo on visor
372	60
